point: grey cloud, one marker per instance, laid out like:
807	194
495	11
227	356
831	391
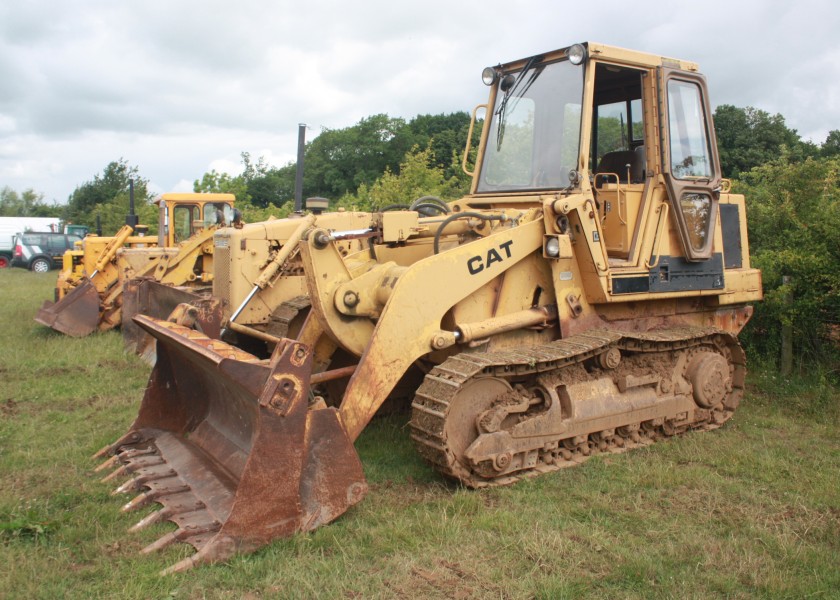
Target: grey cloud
175	86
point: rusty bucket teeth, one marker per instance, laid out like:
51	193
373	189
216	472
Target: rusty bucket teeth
108	464
135	452
230	448
154	495
128	486
137	502
145	476
119	472
130	438
182	534
219	549
162	514
181	566
161	543
136	462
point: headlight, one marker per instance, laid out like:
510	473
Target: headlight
507	82
488	76
552	247
576	54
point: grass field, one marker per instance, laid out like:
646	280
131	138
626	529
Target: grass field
751	510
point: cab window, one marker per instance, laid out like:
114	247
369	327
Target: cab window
218	214
183	217
690	152
618	130
692	168
519	134
534	136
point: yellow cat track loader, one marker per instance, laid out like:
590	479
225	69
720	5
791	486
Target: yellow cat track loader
91	288
585	297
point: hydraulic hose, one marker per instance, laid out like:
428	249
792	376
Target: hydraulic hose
275	264
457	216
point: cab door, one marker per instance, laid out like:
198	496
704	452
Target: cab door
690	160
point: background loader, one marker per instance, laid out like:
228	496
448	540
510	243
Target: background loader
96	281
585	297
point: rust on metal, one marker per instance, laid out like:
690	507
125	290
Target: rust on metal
230	448
332	375
594	392
145	296
76	314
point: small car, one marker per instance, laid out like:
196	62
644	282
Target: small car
41	252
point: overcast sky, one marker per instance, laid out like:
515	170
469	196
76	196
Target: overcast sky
178	88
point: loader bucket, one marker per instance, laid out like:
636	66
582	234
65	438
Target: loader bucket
76	315
145	296
231	449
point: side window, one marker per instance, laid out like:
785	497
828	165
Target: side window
618	129
690	156
637	123
218	213
696	209
692	169
32	239
612	128
58	243
690	153
184	217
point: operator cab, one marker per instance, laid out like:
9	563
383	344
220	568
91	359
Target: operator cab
631	131
184	215
190	218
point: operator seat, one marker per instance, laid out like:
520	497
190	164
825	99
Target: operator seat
617	162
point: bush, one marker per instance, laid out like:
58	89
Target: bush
794	229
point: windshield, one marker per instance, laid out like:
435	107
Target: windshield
534	136
218	213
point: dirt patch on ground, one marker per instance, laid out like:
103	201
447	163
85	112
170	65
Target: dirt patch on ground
55	372
445	580
9	408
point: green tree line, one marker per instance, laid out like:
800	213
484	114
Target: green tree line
339	161
791	187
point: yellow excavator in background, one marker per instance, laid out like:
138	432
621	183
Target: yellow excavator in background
95	279
585	297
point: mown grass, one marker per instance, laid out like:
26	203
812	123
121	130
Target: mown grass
751	510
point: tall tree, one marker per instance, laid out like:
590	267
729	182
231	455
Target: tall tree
222	183
831	146
794	225
749	137
107	195
338	161
418	176
445	135
28	203
267	186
